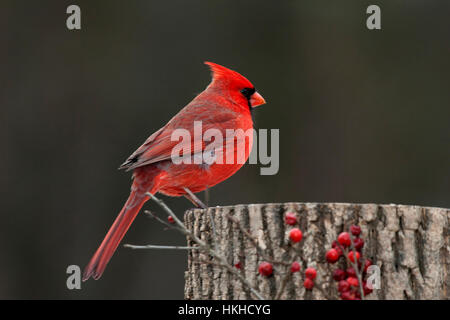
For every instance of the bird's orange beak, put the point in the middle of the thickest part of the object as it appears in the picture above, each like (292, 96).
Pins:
(257, 100)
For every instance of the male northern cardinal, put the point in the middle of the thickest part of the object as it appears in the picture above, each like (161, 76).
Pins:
(225, 104)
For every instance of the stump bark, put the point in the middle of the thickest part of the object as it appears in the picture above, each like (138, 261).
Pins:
(410, 245)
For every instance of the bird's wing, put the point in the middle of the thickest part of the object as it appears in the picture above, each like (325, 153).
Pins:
(158, 147)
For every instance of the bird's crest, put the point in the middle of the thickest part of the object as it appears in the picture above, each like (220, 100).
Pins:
(227, 76)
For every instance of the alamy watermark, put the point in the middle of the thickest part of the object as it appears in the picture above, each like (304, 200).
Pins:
(373, 21)
(229, 146)
(74, 279)
(374, 277)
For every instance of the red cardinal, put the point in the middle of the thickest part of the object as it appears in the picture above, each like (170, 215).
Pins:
(225, 104)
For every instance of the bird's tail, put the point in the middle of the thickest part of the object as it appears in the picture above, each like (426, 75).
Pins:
(142, 184)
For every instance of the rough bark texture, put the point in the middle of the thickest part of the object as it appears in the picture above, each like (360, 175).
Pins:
(410, 244)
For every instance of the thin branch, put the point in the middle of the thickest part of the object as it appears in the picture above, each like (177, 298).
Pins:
(288, 273)
(319, 286)
(151, 246)
(207, 196)
(213, 225)
(205, 247)
(283, 284)
(254, 242)
(355, 266)
(154, 216)
(234, 272)
(170, 213)
(195, 199)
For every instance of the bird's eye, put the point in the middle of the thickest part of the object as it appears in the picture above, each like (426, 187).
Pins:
(247, 92)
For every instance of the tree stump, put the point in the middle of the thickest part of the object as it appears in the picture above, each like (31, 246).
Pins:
(410, 245)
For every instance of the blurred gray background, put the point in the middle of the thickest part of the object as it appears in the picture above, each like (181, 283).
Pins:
(363, 117)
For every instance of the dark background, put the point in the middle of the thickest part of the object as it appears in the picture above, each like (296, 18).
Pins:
(363, 117)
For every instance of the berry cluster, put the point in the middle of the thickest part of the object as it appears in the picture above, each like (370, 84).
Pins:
(295, 236)
(349, 246)
(350, 278)
(310, 275)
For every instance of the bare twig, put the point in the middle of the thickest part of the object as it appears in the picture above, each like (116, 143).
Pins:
(254, 242)
(207, 196)
(152, 215)
(287, 276)
(355, 266)
(245, 232)
(213, 225)
(151, 246)
(204, 246)
(195, 200)
(284, 282)
(319, 286)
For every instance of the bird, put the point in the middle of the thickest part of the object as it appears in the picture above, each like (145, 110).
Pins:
(225, 104)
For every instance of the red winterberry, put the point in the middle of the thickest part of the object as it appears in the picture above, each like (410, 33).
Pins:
(308, 284)
(332, 255)
(335, 245)
(290, 218)
(358, 243)
(352, 259)
(295, 267)
(343, 286)
(355, 230)
(352, 281)
(295, 235)
(344, 239)
(170, 219)
(367, 264)
(265, 269)
(351, 272)
(311, 273)
(339, 274)
(366, 289)
(238, 265)
(348, 295)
